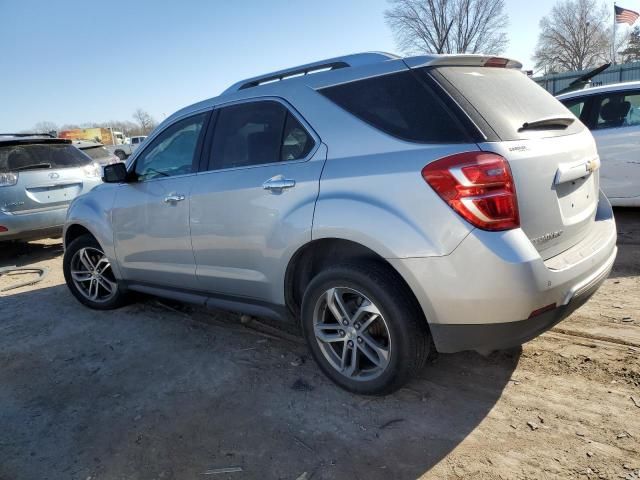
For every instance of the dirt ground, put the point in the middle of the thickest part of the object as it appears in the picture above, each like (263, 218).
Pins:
(163, 391)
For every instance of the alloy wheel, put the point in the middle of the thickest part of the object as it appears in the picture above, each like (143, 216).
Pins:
(352, 333)
(92, 275)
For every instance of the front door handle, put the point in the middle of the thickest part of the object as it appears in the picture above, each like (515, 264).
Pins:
(173, 198)
(278, 183)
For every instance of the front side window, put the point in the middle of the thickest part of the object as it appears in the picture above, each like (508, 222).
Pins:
(257, 133)
(576, 106)
(172, 152)
(617, 110)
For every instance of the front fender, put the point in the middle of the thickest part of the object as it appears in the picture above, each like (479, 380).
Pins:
(92, 211)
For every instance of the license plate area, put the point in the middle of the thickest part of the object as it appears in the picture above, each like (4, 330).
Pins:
(56, 193)
(578, 199)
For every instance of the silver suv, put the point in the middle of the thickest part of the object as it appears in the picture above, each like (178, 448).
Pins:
(388, 205)
(39, 176)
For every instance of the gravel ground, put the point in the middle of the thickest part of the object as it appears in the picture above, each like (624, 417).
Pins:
(163, 391)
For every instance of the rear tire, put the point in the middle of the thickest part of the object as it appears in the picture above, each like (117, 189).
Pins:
(121, 155)
(379, 319)
(89, 276)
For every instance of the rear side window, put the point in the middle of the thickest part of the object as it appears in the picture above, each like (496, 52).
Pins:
(506, 99)
(401, 105)
(257, 133)
(16, 158)
(617, 110)
(97, 153)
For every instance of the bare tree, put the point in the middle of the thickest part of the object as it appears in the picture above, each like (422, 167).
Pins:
(574, 36)
(45, 127)
(146, 121)
(448, 26)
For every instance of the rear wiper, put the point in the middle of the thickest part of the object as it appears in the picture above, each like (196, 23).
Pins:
(35, 166)
(547, 123)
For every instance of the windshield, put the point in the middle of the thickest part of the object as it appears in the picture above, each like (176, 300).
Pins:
(508, 100)
(97, 153)
(41, 156)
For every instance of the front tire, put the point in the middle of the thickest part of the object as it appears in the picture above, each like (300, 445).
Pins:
(364, 328)
(89, 275)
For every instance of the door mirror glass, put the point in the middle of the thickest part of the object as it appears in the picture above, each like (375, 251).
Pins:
(114, 173)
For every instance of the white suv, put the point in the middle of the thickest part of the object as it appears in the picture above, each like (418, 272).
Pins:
(612, 113)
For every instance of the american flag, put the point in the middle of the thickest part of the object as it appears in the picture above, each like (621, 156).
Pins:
(624, 15)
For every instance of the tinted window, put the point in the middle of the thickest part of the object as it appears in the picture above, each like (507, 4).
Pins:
(171, 153)
(296, 141)
(134, 140)
(576, 106)
(506, 99)
(257, 133)
(97, 153)
(400, 105)
(25, 157)
(617, 110)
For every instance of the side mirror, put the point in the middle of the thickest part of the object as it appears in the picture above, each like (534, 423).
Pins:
(114, 173)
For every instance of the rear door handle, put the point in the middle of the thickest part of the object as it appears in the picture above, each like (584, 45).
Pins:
(278, 183)
(173, 198)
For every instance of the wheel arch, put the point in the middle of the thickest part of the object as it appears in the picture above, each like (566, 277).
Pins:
(311, 258)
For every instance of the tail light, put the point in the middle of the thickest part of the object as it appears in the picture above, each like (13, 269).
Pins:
(478, 186)
(8, 179)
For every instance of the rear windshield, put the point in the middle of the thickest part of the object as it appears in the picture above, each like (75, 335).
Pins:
(43, 156)
(97, 153)
(507, 99)
(400, 105)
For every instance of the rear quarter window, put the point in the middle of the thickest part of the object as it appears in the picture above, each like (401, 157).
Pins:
(506, 99)
(400, 105)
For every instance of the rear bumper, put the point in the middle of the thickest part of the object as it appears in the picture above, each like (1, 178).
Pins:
(484, 294)
(33, 226)
(497, 336)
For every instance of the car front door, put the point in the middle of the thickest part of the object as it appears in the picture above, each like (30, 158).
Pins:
(252, 206)
(150, 216)
(615, 124)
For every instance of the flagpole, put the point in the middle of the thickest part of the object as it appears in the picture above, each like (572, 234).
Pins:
(613, 43)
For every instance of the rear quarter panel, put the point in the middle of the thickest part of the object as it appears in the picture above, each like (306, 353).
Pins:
(382, 202)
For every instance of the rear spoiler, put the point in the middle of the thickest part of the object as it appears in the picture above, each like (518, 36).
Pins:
(462, 60)
(32, 141)
(26, 135)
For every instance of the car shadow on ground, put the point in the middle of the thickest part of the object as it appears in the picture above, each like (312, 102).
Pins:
(148, 392)
(23, 254)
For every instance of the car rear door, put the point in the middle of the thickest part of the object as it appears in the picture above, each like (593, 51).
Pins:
(252, 205)
(615, 124)
(150, 216)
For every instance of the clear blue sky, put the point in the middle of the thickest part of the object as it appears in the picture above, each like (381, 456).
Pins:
(77, 61)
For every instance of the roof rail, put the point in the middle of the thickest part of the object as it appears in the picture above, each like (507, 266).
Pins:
(354, 60)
